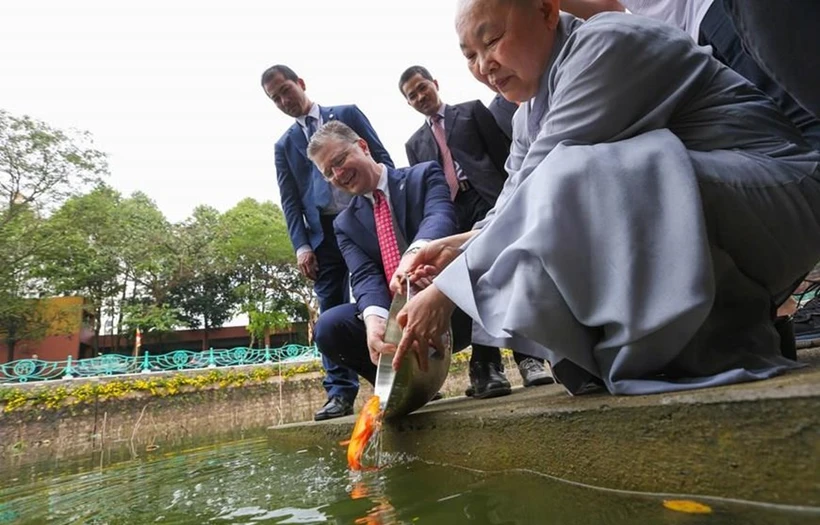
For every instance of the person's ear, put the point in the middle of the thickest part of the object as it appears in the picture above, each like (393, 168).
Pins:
(364, 146)
(548, 12)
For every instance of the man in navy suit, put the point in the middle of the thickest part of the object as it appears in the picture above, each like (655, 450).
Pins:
(466, 139)
(311, 204)
(420, 210)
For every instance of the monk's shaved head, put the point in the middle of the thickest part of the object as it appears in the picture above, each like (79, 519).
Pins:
(466, 6)
(507, 43)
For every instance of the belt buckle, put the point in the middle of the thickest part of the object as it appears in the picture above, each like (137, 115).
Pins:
(463, 185)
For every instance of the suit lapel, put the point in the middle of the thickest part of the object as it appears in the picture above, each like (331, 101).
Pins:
(327, 114)
(320, 189)
(450, 117)
(299, 140)
(363, 211)
(398, 198)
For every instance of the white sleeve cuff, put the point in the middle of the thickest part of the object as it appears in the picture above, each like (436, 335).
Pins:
(375, 310)
(303, 249)
(418, 243)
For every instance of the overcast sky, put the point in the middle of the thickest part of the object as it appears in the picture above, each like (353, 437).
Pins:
(170, 89)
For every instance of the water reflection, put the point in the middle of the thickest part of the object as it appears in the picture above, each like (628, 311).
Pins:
(371, 486)
(252, 482)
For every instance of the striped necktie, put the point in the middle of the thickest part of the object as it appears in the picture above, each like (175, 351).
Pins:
(388, 245)
(446, 157)
(310, 125)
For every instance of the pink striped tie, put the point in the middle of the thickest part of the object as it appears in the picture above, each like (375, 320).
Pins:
(446, 157)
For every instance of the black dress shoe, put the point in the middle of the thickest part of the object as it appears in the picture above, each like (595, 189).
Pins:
(487, 380)
(335, 407)
(575, 379)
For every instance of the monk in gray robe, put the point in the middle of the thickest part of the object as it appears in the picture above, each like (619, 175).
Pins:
(658, 208)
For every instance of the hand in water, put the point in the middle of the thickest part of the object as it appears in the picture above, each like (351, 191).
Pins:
(424, 319)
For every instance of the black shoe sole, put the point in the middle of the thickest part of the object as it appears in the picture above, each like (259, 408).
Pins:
(325, 417)
(539, 382)
(493, 392)
(808, 336)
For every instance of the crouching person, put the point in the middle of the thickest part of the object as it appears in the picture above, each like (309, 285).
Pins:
(394, 211)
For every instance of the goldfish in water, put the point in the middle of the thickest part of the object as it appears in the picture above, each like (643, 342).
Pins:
(367, 424)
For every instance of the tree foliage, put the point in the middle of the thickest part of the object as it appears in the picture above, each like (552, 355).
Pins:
(63, 231)
(255, 243)
(40, 167)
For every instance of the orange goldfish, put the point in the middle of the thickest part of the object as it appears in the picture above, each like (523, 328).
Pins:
(368, 422)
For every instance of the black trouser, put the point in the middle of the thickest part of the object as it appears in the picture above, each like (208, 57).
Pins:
(332, 289)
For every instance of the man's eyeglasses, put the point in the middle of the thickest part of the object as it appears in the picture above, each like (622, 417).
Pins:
(336, 163)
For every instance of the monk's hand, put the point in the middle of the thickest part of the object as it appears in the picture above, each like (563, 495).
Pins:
(424, 319)
(376, 346)
(422, 266)
(398, 283)
(308, 264)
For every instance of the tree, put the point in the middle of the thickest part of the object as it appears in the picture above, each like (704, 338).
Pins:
(40, 167)
(254, 240)
(149, 253)
(150, 319)
(295, 295)
(87, 260)
(204, 290)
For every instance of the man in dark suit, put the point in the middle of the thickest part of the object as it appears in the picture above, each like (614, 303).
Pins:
(311, 204)
(472, 149)
(503, 111)
(393, 211)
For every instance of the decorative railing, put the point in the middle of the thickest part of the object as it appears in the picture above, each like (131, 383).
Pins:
(28, 370)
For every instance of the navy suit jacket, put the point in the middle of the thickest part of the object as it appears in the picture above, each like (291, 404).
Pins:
(420, 201)
(302, 188)
(476, 143)
(503, 111)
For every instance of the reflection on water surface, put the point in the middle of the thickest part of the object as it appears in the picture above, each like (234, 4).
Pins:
(250, 482)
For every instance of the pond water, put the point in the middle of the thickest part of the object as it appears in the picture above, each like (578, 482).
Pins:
(255, 481)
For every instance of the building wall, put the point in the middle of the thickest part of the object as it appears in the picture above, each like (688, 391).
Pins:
(70, 336)
(65, 336)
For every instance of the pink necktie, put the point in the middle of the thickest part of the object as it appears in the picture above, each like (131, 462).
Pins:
(446, 157)
(387, 237)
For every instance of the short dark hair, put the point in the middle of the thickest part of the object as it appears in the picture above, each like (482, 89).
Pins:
(278, 69)
(412, 71)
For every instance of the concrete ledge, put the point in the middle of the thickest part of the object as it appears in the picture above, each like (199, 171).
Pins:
(756, 441)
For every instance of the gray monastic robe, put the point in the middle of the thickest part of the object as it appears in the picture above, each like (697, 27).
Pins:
(658, 206)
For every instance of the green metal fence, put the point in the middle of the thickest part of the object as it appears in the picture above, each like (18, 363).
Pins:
(28, 370)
